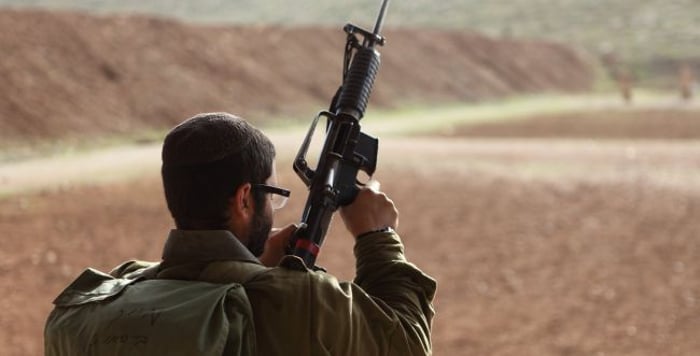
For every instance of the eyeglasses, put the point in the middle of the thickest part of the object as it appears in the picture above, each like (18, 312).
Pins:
(278, 196)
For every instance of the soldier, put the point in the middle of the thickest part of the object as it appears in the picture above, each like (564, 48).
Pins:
(686, 79)
(625, 81)
(219, 179)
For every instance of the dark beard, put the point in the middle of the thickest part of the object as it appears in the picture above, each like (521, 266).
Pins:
(260, 228)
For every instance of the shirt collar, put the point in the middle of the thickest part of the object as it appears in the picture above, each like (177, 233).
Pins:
(191, 246)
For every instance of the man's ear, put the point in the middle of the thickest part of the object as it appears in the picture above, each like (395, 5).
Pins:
(241, 204)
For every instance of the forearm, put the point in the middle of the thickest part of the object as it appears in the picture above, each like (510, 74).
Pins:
(398, 286)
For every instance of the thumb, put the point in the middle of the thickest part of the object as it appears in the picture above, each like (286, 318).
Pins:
(281, 235)
(373, 185)
(275, 246)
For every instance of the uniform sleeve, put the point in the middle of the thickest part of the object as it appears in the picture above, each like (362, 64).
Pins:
(399, 288)
(387, 312)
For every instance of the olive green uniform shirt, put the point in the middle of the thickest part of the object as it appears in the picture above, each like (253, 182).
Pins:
(387, 310)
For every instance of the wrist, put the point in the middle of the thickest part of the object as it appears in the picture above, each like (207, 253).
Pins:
(378, 247)
(384, 229)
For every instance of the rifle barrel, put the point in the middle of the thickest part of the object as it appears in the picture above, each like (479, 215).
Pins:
(380, 18)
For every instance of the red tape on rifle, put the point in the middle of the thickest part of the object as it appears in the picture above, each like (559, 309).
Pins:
(308, 246)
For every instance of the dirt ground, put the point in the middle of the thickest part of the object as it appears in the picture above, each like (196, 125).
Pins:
(621, 123)
(540, 246)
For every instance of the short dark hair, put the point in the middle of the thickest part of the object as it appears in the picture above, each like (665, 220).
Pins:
(205, 159)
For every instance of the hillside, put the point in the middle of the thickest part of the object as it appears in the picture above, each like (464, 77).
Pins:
(636, 30)
(71, 74)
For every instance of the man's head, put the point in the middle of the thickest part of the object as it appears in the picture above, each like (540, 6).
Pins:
(211, 163)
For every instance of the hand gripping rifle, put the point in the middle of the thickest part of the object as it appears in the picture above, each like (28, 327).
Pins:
(346, 149)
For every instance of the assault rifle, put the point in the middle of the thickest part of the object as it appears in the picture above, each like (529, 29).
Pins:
(346, 150)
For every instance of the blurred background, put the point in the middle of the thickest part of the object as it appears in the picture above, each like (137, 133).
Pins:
(544, 155)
